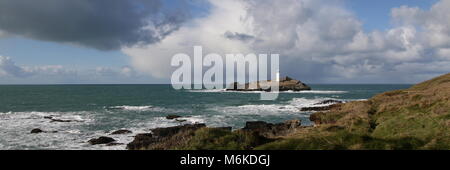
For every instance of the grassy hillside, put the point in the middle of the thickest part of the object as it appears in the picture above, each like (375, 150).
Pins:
(414, 118)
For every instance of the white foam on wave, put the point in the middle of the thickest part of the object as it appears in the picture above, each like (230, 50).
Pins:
(16, 127)
(291, 107)
(147, 108)
(134, 108)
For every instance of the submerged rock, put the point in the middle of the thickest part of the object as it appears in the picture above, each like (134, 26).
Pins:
(37, 130)
(285, 84)
(172, 116)
(122, 131)
(101, 140)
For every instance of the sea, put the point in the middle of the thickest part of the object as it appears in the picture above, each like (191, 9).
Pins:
(91, 111)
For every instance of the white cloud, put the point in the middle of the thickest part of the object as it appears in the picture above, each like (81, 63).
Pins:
(9, 68)
(317, 40)
(10, 72)
(208, 32)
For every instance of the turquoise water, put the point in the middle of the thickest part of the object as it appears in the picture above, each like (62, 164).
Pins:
(96, 110)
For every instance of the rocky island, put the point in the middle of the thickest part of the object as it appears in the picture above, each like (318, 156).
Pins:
(285, 84)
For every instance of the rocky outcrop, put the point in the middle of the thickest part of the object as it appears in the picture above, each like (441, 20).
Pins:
(178, 136)
(121, 131)
(270, 130)
(101, 140)
(285, 84)
(164, 138)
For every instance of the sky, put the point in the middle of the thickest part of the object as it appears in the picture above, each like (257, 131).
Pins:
(128, 42)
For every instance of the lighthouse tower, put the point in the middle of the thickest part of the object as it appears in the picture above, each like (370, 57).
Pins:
(277, 76)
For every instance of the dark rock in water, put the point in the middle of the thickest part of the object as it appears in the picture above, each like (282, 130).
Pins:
(122, 131)
(285, 84)
(142, 141)
(48, 117)
(164, 138)
(60, 120)
(114, 144)
(101, 140)
(329, 102)
(317, 108)
(180, 120)
(172, 116)
(270, 130)
(37, 130)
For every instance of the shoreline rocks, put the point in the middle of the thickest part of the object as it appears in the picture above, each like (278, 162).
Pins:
(164, 138)
(101, 140)
(177, 136)
(121, 131)
(170, 117)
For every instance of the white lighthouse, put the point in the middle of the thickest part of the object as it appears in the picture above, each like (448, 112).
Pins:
(277, 76)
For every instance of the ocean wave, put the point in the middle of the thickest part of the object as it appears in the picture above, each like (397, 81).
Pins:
(147, 108)
(78, 116)
(134, 108)
(291, 107)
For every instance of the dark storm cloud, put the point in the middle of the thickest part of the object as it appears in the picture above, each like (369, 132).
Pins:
(100, 24)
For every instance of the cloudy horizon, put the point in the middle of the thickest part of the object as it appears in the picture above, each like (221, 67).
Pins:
(127, 42)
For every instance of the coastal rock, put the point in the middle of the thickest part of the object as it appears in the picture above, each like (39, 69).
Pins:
(331, 104)
(37, 130)
(121, 131)
(63, 120)
(169, 131)
(318, 108)
(285, 84)
(172, 116)
(164, 138)
(114, 144)
(271, 130)
(101, 140)
(328, 102)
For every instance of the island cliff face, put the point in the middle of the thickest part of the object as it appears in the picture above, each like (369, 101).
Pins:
(285, 84)
(414, 118)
